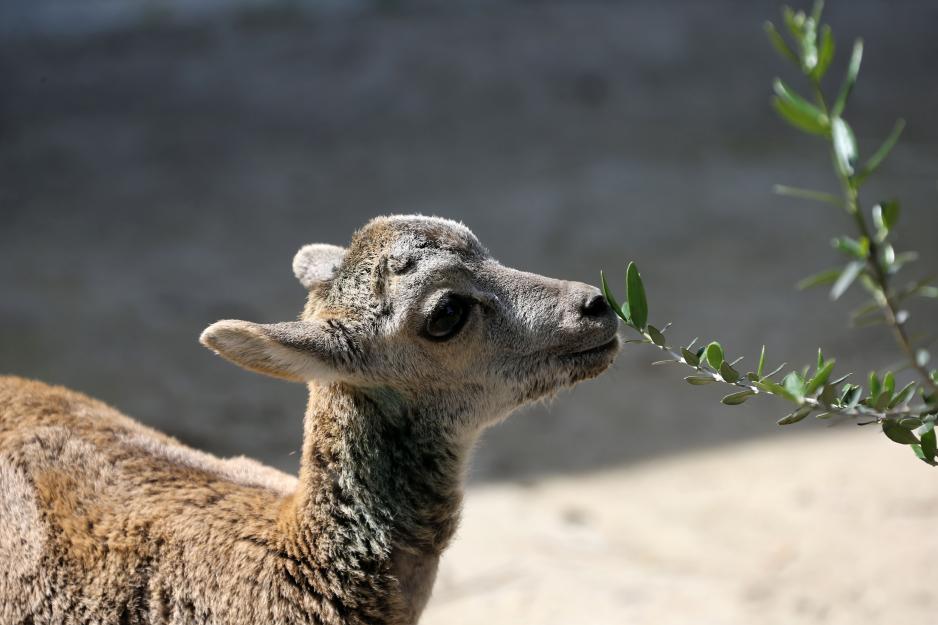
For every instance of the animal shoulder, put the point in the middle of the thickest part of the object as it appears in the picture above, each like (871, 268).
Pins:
(56, 427)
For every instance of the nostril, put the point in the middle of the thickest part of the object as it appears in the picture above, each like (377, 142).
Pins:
(595, 306)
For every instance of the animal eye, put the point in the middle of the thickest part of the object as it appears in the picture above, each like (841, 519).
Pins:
(447, 318)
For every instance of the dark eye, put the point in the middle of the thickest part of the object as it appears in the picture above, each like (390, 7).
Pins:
(447, 318)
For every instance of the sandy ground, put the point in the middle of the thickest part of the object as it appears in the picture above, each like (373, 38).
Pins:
(833, 528)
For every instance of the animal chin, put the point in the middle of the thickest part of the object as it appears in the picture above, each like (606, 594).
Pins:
(590, 362)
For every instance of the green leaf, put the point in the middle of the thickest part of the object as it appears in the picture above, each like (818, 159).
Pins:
(853, 68)
(888, 257)
(929, 447)
(796, 416)
(847, 276)
(885, 216)
(734, 399)
(825, 53)
(714, 354)
(690, 357)
(656, 336)
(819, 279)
(882, 152)
(728, 373)
(611, 299)
(638, 306)
(809, 46)
(770, 387)
(699, 380)
(875, 386)
(903, 396)
(858, 248)
(779, 43)
(921, 455)
(897, 433)
(795, 119)
(795, 385)
(889, 383)
(845, 147)
(851, 396)
(846, 390)
(819, 378)
(840, 379)
(798, 111)
(820, 358)
(794, 21)
(761, 362)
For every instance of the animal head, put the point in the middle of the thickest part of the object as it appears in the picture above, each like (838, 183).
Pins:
(416, 306)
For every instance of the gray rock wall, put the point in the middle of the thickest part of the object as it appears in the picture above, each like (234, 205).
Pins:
(158, 175)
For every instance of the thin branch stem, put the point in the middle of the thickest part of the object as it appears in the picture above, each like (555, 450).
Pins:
(808, 194)
(858, 411)
(879, 275)
(887, 303)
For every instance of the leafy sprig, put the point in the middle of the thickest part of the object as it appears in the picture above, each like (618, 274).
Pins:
(906, 414)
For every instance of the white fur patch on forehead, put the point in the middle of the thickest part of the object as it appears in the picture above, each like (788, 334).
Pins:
(317, 262)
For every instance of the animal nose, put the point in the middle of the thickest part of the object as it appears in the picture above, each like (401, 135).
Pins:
(594, 305)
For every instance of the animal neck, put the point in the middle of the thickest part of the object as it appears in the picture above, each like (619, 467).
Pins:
(379, 496)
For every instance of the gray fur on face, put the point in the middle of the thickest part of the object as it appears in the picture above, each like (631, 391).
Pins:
(525, 335)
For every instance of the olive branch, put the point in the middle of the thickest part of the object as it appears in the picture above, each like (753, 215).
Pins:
(907, 415)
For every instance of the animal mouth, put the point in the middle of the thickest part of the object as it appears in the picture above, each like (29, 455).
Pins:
(603, 348)
(590, 362)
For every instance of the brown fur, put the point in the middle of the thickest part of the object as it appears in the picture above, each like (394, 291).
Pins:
(103, 520)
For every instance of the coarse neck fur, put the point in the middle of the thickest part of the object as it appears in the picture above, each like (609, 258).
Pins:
(379, 496)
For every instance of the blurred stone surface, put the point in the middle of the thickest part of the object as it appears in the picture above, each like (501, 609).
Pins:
(158, 174)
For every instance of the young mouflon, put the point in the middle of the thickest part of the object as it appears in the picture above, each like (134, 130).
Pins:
(413, 340)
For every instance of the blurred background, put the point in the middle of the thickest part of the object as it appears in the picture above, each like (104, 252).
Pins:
(161, 161)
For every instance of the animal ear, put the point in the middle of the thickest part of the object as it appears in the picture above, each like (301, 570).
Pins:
(317, 262)
(299, 351)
